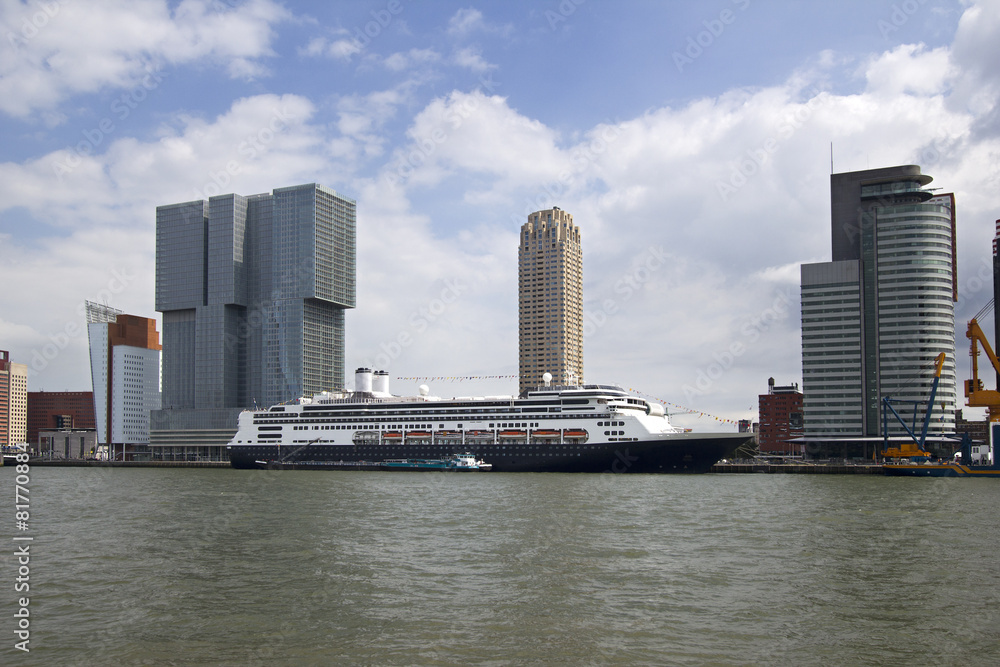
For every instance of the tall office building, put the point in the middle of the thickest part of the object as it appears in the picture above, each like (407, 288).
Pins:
(125, 369)
(13, 401)
(550, 299)
(253, 291)
(876, 317)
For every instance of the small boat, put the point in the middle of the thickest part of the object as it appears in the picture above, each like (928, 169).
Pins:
(418, 435)
(479, 435)
(513, 434)
(545, 434)
(468, 461)
(392, 435)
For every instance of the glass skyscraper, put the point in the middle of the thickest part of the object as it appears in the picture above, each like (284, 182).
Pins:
(253, 291)
(876, 317)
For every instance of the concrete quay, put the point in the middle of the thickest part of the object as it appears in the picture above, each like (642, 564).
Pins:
(800, 468)
(766, 468)
(90, 463)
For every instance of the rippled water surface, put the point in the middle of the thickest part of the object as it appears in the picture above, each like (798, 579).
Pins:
(217, 566)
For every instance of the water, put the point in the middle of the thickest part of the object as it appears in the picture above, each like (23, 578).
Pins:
(216, 566)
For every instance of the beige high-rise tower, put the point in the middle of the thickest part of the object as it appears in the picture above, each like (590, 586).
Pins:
(550, 299)
(13, 401)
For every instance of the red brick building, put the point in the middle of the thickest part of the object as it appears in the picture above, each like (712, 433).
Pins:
(58, 410)
(780, 419)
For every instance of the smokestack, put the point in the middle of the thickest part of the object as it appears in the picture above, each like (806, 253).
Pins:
(363, 380)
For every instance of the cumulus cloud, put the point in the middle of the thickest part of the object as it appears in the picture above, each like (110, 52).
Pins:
(695, 215)
(62, 48)
(911, 69)
(412, 58)
(467, 21)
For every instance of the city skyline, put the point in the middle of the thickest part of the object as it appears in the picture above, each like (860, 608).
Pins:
(699, 161)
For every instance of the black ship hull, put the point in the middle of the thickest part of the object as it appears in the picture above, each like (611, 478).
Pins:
(679, 453)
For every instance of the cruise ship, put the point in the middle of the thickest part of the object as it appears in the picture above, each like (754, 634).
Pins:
(588, 428)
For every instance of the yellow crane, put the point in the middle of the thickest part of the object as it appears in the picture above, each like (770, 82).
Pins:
(975, 395)
(910, 450)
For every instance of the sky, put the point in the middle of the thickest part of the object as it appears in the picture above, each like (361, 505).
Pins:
(691, 141)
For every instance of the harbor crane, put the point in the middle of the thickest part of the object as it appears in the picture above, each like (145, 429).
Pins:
(915, 449)
(975, 394)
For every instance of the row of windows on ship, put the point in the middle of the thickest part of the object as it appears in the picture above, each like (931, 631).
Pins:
(351, 419)
(390, 427)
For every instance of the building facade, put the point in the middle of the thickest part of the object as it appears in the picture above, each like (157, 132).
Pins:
(550, 299)
(67, 444)
(876, 317)
(253, 291)
(125, 370)
(781, 419)
(58, 410)
(13, 401)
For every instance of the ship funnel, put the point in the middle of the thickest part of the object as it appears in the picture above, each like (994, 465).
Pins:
(363, 380)
(381, 382)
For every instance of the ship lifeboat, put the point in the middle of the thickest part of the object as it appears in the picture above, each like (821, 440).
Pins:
(418, 435)
(448, 435)
(575, 434)
(479, 435)
(392, 435)
(365, 437)
(513, 434)
(545, 434)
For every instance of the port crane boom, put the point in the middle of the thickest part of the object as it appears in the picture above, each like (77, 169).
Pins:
(915, 448)
(975, 394)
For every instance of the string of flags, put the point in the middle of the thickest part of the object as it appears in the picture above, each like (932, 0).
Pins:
(460, 378)
(687, 410)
